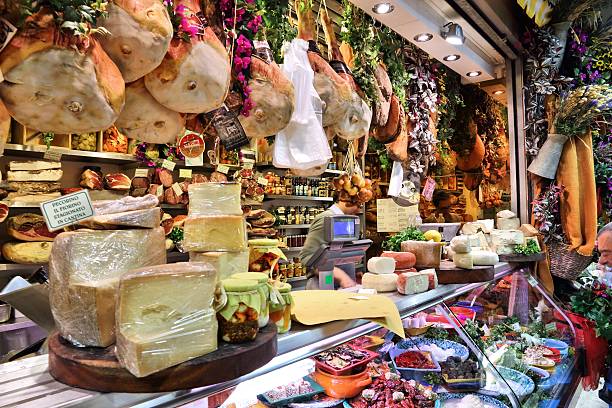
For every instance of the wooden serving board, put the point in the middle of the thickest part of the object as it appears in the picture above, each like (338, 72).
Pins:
(523, 258)
(449, 273)
(97, 369)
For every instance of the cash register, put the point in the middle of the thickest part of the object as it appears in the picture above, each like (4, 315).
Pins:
(343, 249)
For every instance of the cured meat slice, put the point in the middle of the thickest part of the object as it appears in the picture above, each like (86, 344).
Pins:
(29, 227)
(91, 179)
(56, 82)
(274, 99)
(141, 31)
(145, 119)
(4, 212)
(117, 181)
(164, 177)
(194, 76)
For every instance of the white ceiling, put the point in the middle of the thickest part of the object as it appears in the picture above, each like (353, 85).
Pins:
(412, 17)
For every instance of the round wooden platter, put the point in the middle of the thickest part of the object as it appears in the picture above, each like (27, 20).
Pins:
(97, 369)
(523, 258)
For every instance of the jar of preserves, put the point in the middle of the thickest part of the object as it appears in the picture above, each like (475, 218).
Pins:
(280, 307)
(290, 270)
(264, 291)
(238, 319)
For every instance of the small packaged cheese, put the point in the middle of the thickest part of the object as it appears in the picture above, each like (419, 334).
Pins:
(226, 263)
(165, 316)
(214, 199)
(381, 265)
(382, 283)
(206, 233)
(84, 271)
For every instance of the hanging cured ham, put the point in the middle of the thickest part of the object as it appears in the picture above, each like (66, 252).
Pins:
(140, 34)
(384, 91)
(274, 99)
(145, 119)
(57, 82)
(194, 76)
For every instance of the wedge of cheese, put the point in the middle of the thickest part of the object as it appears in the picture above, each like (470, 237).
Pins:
(148, 218)
(84, 271)
(504, 241)
(206, 233)
(382, 283)
(381, 265)
(214, 199)
(34, 175)
(225, 263)
(158, 328)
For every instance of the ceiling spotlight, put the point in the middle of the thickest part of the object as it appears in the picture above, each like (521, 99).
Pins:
(473, 74)
(498, 92)
(383, 8)
(452, 57)
(453, 33)
(423, 37)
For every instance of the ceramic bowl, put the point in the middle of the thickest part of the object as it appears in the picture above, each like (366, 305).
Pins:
(342, 386)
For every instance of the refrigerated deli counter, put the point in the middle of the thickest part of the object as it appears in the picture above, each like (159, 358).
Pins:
(490, 325)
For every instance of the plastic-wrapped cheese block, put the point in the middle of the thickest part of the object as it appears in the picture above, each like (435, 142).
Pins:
(206, 233)
(409, 283)
(461, 244)
(225, 263)
(403, 260)
(382, 283)
(84, 271)
(148, 218)
(158, 328)
(214, 199)
(380, 265)
(428, 254)
(124, 204)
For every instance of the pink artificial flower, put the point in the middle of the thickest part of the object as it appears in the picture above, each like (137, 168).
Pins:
(180, 9)
(249, 1)
(240, 77)
(193, 31)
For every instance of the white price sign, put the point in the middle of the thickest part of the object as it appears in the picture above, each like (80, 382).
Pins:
(167, 164)
(141, 173)
(222, 168)
(67, 210)
(391, 217)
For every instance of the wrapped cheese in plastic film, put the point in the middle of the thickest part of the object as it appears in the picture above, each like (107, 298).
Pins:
(214, 199)
(103, 207)
(84, 271)
(205, 233)
(226, 263)
(165, 316)
(147, 218)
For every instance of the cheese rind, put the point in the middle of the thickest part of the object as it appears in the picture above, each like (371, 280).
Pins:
(215, 233)
(84, 270)
(485, 258)
(381, 265)
(34, 165)
(382, 283)
(214, 199)
(158, 328)
(428, 254)
(226, 263)
(148, 218)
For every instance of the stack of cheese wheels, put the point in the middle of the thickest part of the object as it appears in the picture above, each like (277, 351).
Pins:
(215, 230)
(380, 275)
(466, 257)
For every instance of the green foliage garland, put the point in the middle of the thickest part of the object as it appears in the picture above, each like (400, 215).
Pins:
(277, 25)
(76, 16)
(391, 46)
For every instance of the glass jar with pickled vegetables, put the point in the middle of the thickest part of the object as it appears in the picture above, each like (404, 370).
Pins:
(238, 319)
(264, 290)
(280, 307)
(85, 141)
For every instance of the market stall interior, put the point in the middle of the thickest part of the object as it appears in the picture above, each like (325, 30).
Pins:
(166, 165)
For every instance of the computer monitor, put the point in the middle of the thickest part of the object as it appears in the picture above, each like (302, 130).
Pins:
(341, 228)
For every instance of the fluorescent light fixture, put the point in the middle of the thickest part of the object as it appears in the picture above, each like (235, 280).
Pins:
(498, 92)
(452, 57)
(383, 8)
(473, 74)
(423, 37)
(453, 33)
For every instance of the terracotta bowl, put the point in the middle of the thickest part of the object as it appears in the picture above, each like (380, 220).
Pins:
(342, 386)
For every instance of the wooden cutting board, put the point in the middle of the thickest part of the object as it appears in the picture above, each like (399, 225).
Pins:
(449, 273)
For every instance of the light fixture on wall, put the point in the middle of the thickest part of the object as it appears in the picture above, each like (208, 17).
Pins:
(423, 37)
(473, 74)
(453, 33)
(452, 57)
(383, 8)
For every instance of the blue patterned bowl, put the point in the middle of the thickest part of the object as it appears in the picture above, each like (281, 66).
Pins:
(459, 349)
(445, 396)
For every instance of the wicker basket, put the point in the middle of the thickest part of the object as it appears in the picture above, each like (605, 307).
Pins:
(565, 263)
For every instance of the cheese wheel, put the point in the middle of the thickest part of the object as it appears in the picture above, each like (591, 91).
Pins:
(465, 261)
(428, 254)
(508, 223)
(484, 258)
(382, 283)
(461, 244)
(412, 283)
(403, 260)
(381, 265)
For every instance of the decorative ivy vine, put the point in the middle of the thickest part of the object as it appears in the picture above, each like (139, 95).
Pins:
(277, 25)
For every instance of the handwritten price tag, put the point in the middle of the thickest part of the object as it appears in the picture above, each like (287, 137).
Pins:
(429, 188)
(263, 181)
(185, 173)
(160, 190)
(167, 164)
(248, 165)
(177, 189)
(222, 168)
(141, 173)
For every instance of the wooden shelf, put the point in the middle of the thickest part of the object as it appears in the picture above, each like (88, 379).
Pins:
(293, 226)
(299, 198)
(12, 149)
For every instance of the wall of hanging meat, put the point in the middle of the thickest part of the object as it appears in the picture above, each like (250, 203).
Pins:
(94, 97)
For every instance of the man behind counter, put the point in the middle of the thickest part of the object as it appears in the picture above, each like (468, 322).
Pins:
(316, 237)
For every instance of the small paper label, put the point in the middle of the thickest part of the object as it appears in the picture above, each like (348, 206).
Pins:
(486, 330)
(167, 164)
(52, 155)
(67, 210)
(141, 173)
(428, 190)
(263, 181)
(248, 165)
(229, 129)
(222, 168)
(160, 190)
(185, 173)
(177, 189)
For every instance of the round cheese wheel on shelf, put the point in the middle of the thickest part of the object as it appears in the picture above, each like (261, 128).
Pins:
(381, 265)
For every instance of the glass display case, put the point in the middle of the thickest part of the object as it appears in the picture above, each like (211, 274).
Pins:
(487, 331)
